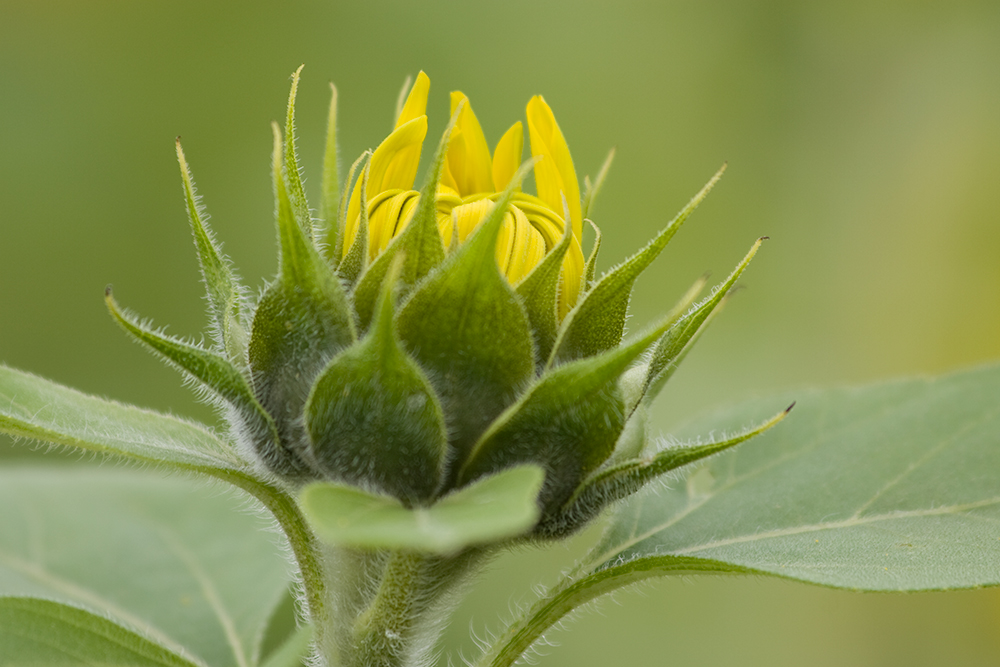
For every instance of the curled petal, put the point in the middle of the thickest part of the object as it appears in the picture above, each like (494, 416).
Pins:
(467, 217)
(526, 248)
(388, 214)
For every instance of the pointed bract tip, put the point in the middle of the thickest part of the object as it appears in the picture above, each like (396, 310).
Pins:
(789, 408)
(764, 238)
(298, 71)
(107, 291)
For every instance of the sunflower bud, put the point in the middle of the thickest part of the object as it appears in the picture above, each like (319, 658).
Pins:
(429, 339)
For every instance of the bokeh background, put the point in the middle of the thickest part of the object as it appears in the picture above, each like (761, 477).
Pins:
(862, 137)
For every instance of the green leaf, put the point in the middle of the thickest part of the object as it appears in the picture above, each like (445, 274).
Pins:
(373, 418)
(539, 291)
(493, 509)
(467, 327)
(598, 321)
(293, 177)
(180, 563)
(331, 195)
(568, 422)
(41, 633)
(675, 344)
(225, 294)
(890, 487)
(39, 409)
(420, 242)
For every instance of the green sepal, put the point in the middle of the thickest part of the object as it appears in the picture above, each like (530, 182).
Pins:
(466, 326)
(373, 418)
(296, 193)
(590, 269)
(356, 259)
(598, 321)
(494, 509)
(615, 482)
(330, 203)
(334, 250)
(594, 188)
(679, 339)
(539, 292)
(211, 371)
(303, 319)
(420, 242)
(226, 300)
(568, 422)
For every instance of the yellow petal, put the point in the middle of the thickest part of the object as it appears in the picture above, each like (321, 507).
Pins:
(507, 156)
(554, 174)
(416, 101)
(469, 165)
(393, 166)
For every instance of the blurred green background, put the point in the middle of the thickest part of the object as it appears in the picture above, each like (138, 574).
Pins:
(863, 137)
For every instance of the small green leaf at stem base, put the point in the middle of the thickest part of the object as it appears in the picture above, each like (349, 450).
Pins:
(496, 508)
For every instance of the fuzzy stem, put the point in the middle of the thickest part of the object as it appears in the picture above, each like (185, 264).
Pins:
(300, 538)
(383, 631)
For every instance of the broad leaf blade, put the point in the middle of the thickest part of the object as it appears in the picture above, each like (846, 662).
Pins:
(890, 487)
(32, 407)
(42, 633)
(492, 509)
(179, 562)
